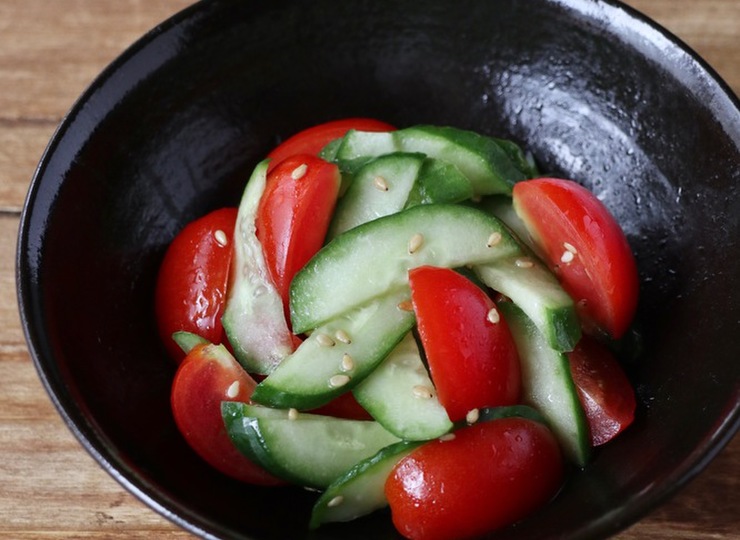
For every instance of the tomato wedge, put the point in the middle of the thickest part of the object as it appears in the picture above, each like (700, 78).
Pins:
(294, 214)
(191, 286)
(313, 139)
(473, 360)
(488, 476)
(207, 376)
(585, 247)
(604, 390)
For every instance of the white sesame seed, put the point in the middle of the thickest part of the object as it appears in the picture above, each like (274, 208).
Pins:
(380, 183)
(299, 172)
(406, 305)
(524, 262)
(570, 247)
(324, 340)
(343, 337)
(422, 392)
(472, 416)
(415, 242)
(338, 380)
(233, 390)
(348, 363)
(447, 437)
(493, 316)
(336, 501)
(221, 238)
(567, 257)
(494, 239)
(292, 414)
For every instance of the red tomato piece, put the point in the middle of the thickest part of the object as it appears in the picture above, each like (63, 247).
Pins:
(473, 360)
(191, 286)
(604, 390)
(585, 247)
(294, 214)
(488, 476)
(313, 139)
(207, 376)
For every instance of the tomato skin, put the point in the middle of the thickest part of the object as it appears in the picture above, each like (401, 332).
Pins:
(488, 476)
(294, 214)
(604, 390)
(473, 362)
(313, 139)
(193, 278)
(602, 274)
(203, 380)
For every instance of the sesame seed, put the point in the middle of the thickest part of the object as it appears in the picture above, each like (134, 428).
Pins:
(524, 262)
(493, 316)
(406, 305)
(447, 437)
(338, 380)
(415, 242)
(422, 392)
(336, 501)
(221, 238)
(567, 257)
(324, 340)
(472, 416)
(348, 363)
(380, 183)
(494, 239)
(292, 414)
(299, 172)
(570, 247)
(233, 390)
(343, 337)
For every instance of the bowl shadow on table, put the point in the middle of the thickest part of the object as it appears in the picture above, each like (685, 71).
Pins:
(174, 128)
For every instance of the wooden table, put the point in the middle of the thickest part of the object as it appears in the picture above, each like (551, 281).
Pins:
(49, 486)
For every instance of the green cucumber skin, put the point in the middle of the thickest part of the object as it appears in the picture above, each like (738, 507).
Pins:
(547, 385)
(439, 182)
(254, 319)
(311, 451)
(388, 395)
(489, 167)
(302, 379)
(365, 262)
(361, 490)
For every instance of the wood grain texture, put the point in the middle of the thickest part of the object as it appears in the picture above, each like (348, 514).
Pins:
(49, 486)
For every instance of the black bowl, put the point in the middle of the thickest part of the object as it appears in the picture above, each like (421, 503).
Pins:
(172, 129)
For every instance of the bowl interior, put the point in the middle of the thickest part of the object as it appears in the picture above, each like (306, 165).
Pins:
(174, 127)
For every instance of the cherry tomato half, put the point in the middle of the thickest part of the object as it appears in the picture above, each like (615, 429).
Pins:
(313, 139)
(294, 214)
(207, 376)
(585, 247)
(472, 357)
(604, 390)
(191, 286)
(488, 476)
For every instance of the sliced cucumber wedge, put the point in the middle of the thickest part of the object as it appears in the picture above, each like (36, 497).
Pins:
(400, 395)
(547, 385)
(371, 259)
(254, 319)
(338, 355)
(361, 490)
(311, 451)
(490, 167)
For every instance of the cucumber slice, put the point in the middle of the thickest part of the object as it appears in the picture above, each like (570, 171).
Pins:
(373, 258)
(400, 395)
(548, 386)
(311, 451)
(489, 167)
(325, 365)
(254, 319)
(439, 182)
(361, 490)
